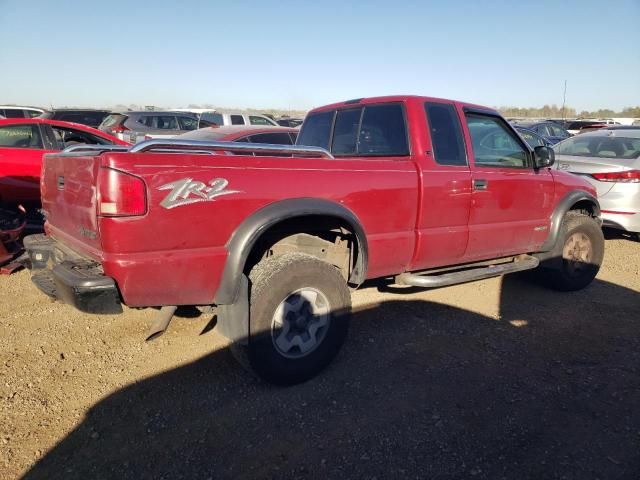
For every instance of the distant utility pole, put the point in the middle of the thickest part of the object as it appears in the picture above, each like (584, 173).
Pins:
(564, 99)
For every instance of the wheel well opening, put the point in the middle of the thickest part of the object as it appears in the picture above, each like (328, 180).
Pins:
(328, 238)
(585, 206)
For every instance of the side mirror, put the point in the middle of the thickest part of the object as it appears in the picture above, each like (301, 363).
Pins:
(543, 156)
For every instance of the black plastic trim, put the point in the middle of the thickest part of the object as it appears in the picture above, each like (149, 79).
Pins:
(246, 235)
(569, 200)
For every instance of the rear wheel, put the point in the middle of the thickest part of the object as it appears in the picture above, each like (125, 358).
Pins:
(299, 316)
(578, 255)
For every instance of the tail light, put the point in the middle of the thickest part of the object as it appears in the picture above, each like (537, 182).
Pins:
(119, 128)
(120, 194)
(629, 176)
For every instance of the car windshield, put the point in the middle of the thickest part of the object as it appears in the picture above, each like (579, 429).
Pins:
(600, 147)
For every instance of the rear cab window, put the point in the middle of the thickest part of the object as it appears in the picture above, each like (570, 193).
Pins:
(446, 134)
(369, 130)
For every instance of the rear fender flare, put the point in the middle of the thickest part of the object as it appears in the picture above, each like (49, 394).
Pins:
(245, 236)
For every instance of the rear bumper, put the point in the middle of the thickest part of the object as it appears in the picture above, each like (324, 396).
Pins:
(63, 274)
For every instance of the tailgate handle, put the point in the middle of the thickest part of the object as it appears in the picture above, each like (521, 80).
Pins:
(60, 182)
(479, 184)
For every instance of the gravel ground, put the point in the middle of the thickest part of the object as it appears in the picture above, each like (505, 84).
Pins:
(494, 379)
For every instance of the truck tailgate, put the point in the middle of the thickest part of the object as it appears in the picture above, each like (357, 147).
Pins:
(68, 187)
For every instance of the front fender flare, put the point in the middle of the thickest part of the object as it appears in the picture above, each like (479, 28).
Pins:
(565, 204)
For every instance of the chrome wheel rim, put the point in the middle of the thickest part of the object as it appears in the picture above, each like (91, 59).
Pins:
(577, 253)
(300, 322)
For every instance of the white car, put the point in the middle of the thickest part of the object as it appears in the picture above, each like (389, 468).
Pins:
(17, 111)
(210, 117)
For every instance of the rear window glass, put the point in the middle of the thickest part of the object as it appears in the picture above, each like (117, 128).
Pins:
(112, 120)
(446, 134)
(600, 147)
(20, 136)
(92, 119)
(207, 119)
(14, 113)
(383, 131)
(278, 138)
(345, 132)
(316, 130)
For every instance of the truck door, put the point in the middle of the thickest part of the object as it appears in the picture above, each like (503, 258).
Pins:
(442, 225)
(511, 201)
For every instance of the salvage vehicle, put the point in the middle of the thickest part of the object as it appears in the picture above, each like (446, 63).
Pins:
(609, 159)
(413, 190)
(22, 144)
(135, 127)
(85, 116)
(240, 133)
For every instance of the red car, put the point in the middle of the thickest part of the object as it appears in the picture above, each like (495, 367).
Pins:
(244, 133)
(23, 141)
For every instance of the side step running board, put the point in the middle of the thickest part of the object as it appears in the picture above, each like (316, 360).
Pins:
(525, 262)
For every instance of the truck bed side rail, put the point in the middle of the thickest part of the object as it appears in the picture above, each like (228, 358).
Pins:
(199, 147)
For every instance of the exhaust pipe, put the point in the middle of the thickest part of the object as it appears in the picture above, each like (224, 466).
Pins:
(161, 323)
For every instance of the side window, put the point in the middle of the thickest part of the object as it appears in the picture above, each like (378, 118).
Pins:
(166, 122)
(31, 113)
(446, 134)
(188, 123)
(253, 120)
(494, 145)
(558, 132)
(345, 132)
(146, 120)
(13, 113)
(316, 130)
(278, 138)
(20, 136)
(209, 118)
(383, 131)
(237, 120)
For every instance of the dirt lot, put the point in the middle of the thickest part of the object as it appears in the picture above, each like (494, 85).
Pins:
(493, 379)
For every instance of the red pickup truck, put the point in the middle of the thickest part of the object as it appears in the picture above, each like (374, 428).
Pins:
(420, 191)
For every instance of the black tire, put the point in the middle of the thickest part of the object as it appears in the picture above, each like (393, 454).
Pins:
(577, 256)
(293, 277)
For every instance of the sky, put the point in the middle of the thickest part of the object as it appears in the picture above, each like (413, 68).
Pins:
(297, 55)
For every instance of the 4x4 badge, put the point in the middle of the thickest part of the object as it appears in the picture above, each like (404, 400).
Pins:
(186, 191)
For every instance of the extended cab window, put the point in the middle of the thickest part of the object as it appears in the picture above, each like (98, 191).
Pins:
(446, 134)
(278, 138)
(237, 120)
(20, 136)
(494, 145)
(383, 131)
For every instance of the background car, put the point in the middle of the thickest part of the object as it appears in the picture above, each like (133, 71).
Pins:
(551, 131)
(575, 127)
(209, 117)
(610, 160)
(251, 134)
(532, 138)
(22, 144)
(138, 126)
(86, 116)
(290, 122)
(16, 111)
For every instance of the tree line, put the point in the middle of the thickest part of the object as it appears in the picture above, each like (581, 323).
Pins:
(553, 111)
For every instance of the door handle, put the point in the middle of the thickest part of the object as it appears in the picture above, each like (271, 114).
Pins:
(480, 184)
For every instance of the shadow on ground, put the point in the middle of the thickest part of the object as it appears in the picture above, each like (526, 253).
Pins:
(421, 390)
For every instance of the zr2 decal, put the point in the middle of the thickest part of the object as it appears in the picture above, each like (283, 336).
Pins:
(187, 191)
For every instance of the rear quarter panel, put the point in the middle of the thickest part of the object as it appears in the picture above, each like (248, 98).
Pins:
(176, 255)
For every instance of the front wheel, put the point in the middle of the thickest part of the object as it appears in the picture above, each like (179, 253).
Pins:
(578, 255)
(299, 316)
